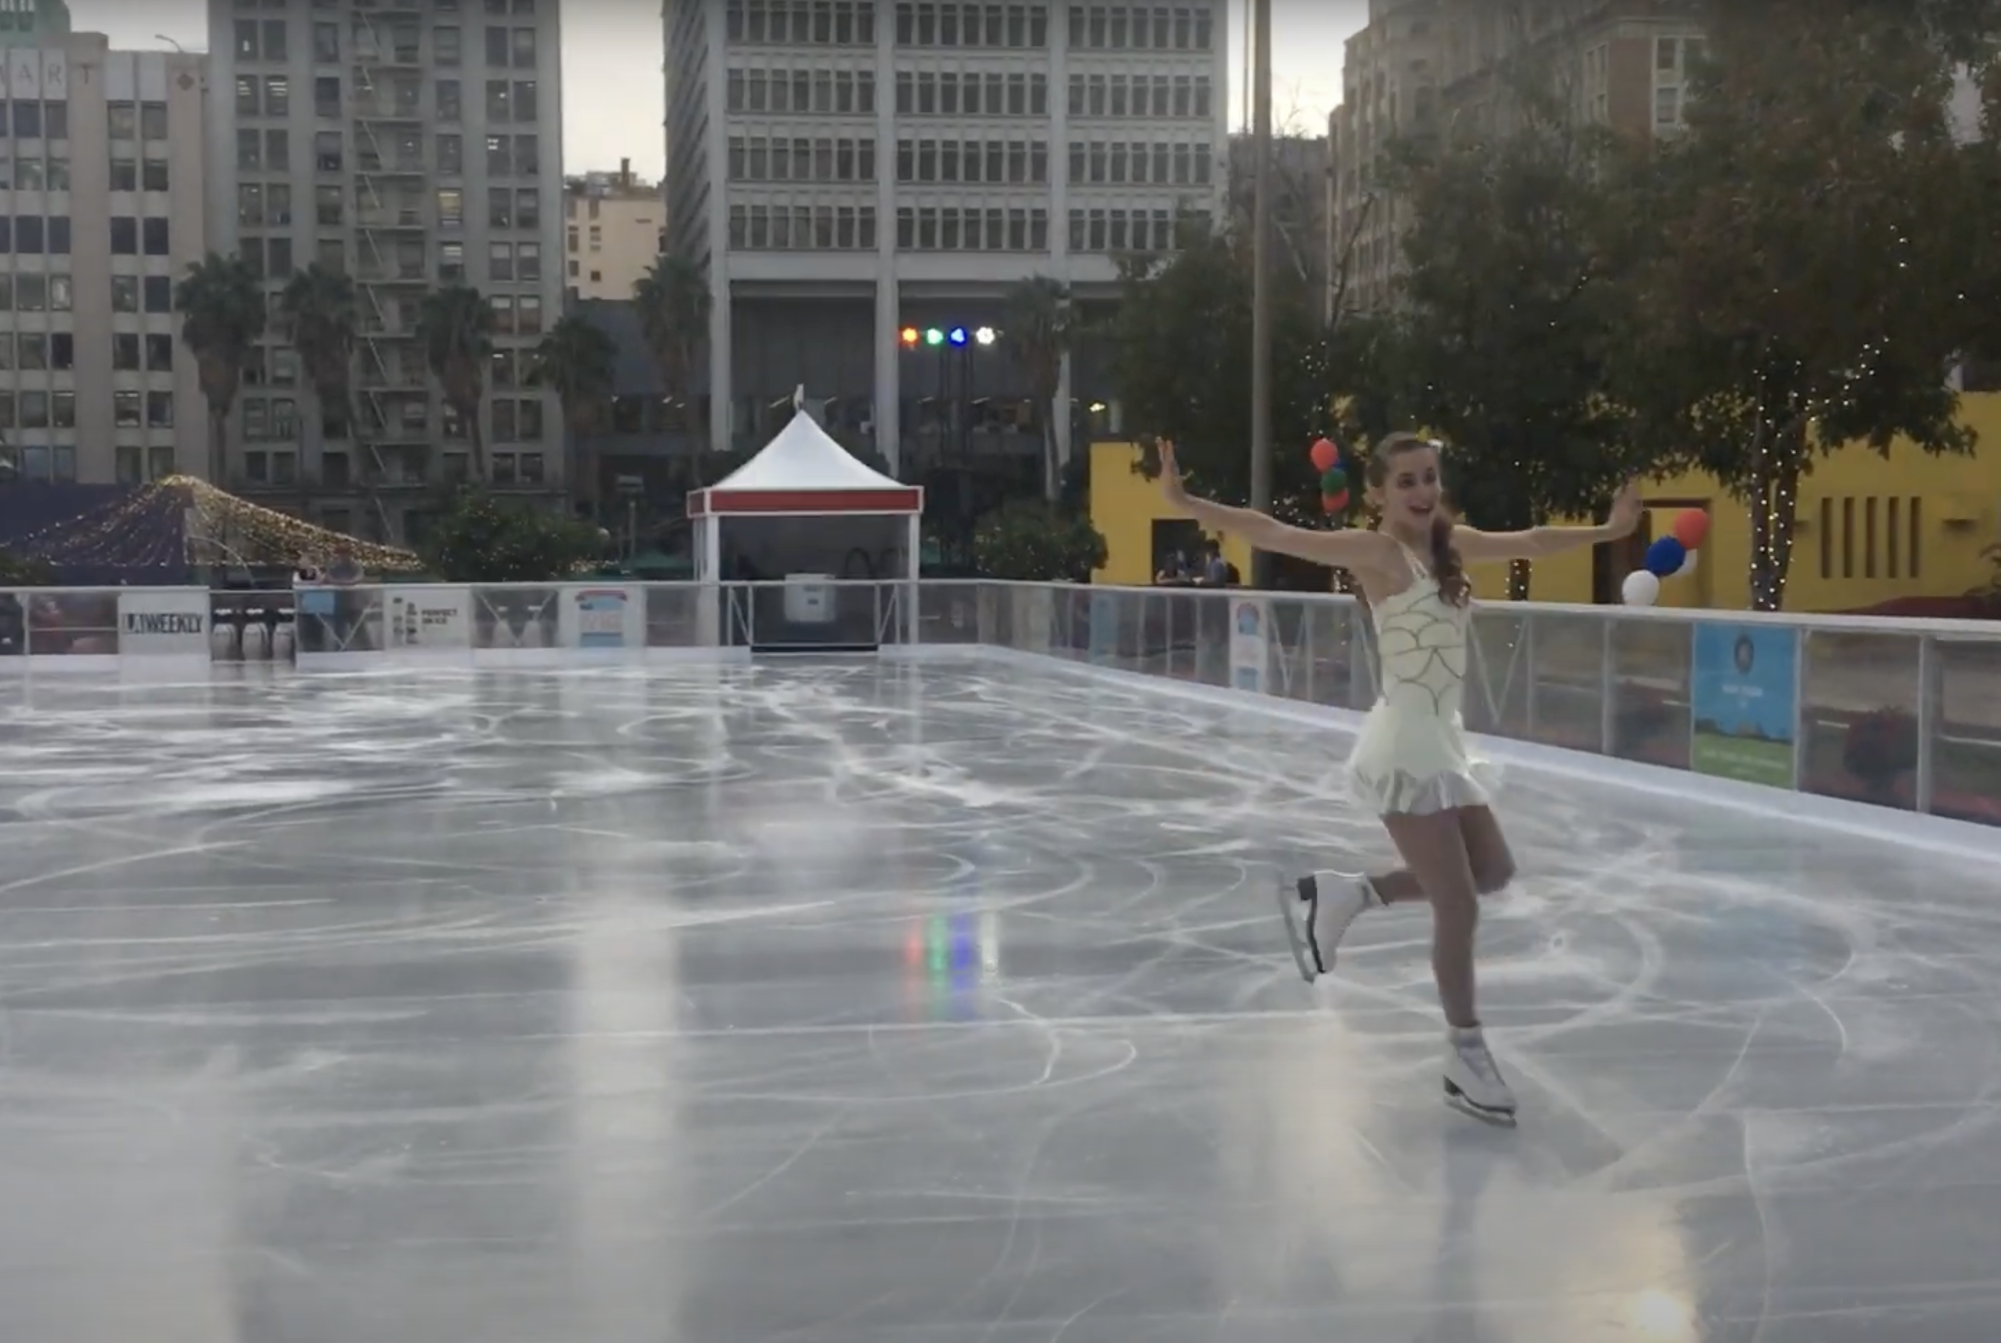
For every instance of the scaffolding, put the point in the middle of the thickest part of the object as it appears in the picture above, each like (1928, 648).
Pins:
(392, 244)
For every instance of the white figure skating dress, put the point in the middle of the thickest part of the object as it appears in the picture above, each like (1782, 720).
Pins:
(1412, 758)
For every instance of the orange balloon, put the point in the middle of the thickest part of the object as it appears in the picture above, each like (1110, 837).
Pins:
(1325, 455)
(1691, 528)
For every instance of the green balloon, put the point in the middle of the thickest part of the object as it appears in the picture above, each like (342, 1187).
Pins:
(1335, 481)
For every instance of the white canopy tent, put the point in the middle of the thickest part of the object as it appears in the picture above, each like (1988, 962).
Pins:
(804, 474)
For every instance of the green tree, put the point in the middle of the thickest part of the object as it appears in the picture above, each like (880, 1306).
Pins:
(674, 304)
(320, 311)
(1032, 540)
(221, 302)
(1500, 346)
(24, 572)
(577, 359)
(455, 324)
(481, 539)
(1798, 255)
(1181, 362)
(1036, 329)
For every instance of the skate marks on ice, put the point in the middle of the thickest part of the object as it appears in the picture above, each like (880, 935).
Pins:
(848, 1001)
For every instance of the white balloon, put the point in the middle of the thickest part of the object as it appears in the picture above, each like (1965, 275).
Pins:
(1687, 566)
(1640, 588)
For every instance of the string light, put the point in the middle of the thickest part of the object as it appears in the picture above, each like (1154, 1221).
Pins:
(180, 520)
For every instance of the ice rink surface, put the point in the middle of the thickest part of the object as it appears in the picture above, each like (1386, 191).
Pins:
(866, 1003)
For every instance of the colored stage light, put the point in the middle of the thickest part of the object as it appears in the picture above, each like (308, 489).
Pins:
(986, 335)
(957, 335)
(910, 335)
(934, 337)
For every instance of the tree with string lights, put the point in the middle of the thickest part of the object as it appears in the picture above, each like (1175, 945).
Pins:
(1800, 255)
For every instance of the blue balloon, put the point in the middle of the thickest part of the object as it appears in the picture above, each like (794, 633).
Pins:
(1665, 557)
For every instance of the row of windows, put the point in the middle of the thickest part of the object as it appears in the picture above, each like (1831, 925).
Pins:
(824, 228)
(401, 97)
(493, 7)
(955, 24)
(823, 91)
(801, 22)
(758, 159)
(1182, 164)
(398, 42)
(39, 120)
(971, 92)
(949, 229)
(276, 420)
(270, 204)
(57, 410)
(32, 235)
(993, 161)
(271, 151)
(1142, 28)
(39, 292)
(36, 173)
(1141, 96)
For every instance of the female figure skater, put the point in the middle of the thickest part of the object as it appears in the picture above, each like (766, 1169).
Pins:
(1411, 763)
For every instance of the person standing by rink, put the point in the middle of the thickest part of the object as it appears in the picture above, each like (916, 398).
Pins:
(1411, 764)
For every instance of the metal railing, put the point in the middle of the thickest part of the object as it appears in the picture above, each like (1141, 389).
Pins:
(1903, 714)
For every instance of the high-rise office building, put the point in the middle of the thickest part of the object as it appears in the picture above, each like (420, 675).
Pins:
(104, 171)
(847, 170)
(415, 144)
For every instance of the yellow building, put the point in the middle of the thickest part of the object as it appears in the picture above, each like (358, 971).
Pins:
(1870, 530)
(611, 232)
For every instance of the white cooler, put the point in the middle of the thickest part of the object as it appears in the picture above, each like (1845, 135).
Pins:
(809, 599)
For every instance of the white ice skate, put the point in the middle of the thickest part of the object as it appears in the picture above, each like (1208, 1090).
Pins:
(1318, 908)
(1473, 1082)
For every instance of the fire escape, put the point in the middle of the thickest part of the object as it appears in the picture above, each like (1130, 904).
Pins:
(392, 261)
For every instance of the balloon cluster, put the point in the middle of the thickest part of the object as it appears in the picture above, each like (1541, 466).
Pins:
(1670, 556)
(1333, 476)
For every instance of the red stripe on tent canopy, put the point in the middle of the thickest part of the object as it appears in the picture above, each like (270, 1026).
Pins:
(719, 502)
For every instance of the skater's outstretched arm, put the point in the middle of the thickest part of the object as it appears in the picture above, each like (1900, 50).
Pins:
(1478, 547)
(1343, 549)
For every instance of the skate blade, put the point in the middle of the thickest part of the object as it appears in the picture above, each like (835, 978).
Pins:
(1302, 954)
(1496, 1118)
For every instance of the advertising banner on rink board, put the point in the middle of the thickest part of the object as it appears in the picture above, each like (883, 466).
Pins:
(164, 622)
(1250, 643)
(1744, 694)
(421, 619)
(603, 618)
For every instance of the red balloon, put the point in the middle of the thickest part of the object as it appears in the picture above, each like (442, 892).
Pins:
(1325, 455)
(1334, 503)
(1691, 528)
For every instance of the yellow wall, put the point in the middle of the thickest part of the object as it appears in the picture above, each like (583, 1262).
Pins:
(1956, 499)
(1124, 507)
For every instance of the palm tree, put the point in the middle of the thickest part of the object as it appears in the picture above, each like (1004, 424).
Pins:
(577, 359)
(319, 310)
(1036, 327)
(674, 303)
(456, 325)
(221, 302)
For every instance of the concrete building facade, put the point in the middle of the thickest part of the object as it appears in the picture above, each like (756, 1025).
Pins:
(106, 201)
(613, 229)
(851, 169)
(416, 144)
(1446, 67)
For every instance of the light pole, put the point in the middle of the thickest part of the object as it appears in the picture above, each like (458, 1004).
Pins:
(1261, 278)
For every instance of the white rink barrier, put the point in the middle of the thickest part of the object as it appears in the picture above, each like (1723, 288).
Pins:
(1901, 714)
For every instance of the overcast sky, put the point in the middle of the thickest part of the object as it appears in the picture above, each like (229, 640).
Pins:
(614, 100)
